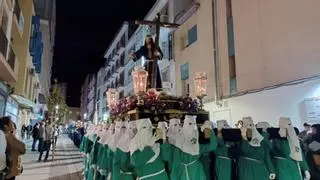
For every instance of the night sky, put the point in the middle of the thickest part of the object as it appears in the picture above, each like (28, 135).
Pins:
(83, 33)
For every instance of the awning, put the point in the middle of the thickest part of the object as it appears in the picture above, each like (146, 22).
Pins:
(42, 99)
(24, 102)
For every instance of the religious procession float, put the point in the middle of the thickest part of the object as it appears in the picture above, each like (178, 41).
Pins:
(154, 135)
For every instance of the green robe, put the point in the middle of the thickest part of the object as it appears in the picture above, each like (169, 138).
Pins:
(104, 163)
(139, 160)
(286, 168)
(122, 167)
(92, 159)
(254, 162)
(224, 161)
(185, 166)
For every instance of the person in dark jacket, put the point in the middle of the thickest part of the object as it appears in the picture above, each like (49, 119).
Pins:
(29, 131)
(149, 52)
(35, 136)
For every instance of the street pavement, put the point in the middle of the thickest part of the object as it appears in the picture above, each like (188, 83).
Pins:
(67, 164)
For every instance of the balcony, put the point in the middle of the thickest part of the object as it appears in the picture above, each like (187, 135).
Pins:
(9, 65)
(120, 47)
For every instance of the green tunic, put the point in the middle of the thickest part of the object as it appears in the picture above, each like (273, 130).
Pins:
(92, 159)
(206, 162)
(224, 161)
(104, 164)
(82, 144)
(185, 166)
(254, 162)
(286, 168)
(148, 171)
(122, 168)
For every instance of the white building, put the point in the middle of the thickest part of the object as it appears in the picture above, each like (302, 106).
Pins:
(112, 75)
(262, 49)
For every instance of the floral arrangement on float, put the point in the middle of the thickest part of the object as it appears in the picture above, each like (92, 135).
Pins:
(153, 101)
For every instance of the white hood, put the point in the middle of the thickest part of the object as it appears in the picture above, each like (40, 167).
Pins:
(256, 136)
(120, 129)
(108, 135)
(188, 141)
(144, 138)
(295, 149)
(174, 130)
(124, 142)
(164, 128)
(222, 124)
(263, 125)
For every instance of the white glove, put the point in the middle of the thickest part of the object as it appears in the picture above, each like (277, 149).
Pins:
(272, 176)
(307, 175)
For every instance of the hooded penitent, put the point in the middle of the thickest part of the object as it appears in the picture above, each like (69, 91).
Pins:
(164, 128)
(287, 130)
(174, 130)
(120, 128)
(107, 137)
(104, 133)
(188, 140)
(263, 125)
(144, 137)
(256, 137)
(124, 142)
(222, 124)
(90, 130)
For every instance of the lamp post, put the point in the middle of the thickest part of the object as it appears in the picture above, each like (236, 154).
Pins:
(140, 76)
(85, 116)
(56, 112)
(200, 81)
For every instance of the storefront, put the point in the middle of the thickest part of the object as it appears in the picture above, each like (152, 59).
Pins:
(3, 98)
(12, 109)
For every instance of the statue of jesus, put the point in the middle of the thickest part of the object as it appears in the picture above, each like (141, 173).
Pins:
(150, 53)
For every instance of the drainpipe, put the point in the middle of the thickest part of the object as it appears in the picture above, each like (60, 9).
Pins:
(216, 54)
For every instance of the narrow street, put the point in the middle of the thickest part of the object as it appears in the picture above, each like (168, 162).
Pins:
(66, 166)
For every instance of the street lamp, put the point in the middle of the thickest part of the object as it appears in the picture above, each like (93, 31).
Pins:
(140, 76)
(85, 116)
(200, 81)
(57, 107)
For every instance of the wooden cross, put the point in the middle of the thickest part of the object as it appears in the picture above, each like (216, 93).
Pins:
(158, 24)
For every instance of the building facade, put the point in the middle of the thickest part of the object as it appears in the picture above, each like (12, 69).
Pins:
(256, 64)
(112, 75)
(84, 99)
(88, 98)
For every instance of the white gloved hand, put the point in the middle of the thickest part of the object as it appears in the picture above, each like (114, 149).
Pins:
(272, 176)
(307, 175)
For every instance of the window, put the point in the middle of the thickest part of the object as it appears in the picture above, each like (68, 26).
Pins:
(233, 75)
(192, 35)
(230, 36)
(184, 69)
(185, 87)
(4, 22)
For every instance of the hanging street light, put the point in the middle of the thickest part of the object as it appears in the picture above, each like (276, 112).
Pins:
(111, 98)
(140, 76)
(200, 81)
